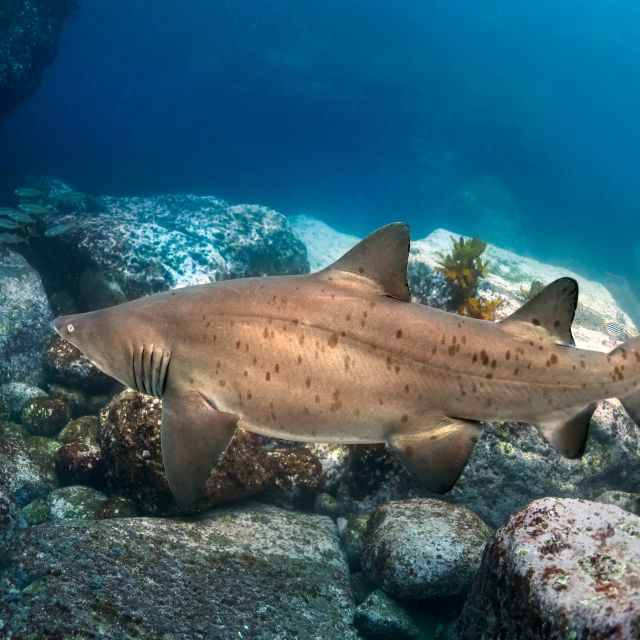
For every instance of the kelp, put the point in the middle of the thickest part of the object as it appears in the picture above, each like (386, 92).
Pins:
(462, 268)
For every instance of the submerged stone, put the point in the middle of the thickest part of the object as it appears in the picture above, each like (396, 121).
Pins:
(75, 398)
(267, 572)
(14, 395)
(379, 617)
(36, 512)
(44, 416)
(83, 429)
(117, 507)
(560, 568)
(76, 502)
(423, 548)
(80, 463)
(10, 517)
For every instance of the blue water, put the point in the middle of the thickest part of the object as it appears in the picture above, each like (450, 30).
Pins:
(357, 112)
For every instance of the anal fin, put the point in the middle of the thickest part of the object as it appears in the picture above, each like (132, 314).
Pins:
(569, 435)
(194, 436)
(436, 450)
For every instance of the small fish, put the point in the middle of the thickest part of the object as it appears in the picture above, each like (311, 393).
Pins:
(8, 224)
(20, 216)
(614, 329)
(28, 192)
(58, 230)
(6, 210)
(33, 209)
(11, 238)
(73, 196)
(7, 271)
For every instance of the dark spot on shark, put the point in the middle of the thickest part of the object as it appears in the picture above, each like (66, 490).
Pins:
(489, 376)
(267, 376)
(535, 322)
(452, 350)
(360, 269)
(399, 333)
(582, 364)
(299, 359)
(474, 358)
(348, 317)
(434, 350)
(553, 359)
(277, 368)
(222, 383)
(406, 388)
(301, 339)
(317, 398)
(556, 323)
(245, 373)
(485, 357)
(265, 333)
(507, 355)
(389, 363)
(238, 344)
(397, 368)
(516, 371)
(380, 401)
(494, 364)
(404, 418)
(333, 340)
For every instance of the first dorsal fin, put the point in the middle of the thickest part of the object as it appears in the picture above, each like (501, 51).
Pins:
(552, 309)
(382, 258)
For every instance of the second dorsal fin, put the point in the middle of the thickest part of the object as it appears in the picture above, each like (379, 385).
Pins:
(552, 309)
(382, 258)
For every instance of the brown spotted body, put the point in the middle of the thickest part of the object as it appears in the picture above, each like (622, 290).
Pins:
(344, 356)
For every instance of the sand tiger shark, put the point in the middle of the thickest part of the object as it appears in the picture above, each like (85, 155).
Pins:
(344, 356)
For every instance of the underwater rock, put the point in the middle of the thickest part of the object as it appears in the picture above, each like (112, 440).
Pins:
(14, 395)
(76, 502)
(29, 34)
(75, 399)
(149, 244)
(298, 477)
(25, 471)
(69, 366)
(84, 429)
(45, 416)
(80, 463)
(326, 505)
(117, 507)
(379, 617)
(130, 441)
(44, 448)
(10, 518)
(423, 548)
(36, 512)
(561, 568)
(24, 318)
(628, 501)
(352, 538)
(267, 572)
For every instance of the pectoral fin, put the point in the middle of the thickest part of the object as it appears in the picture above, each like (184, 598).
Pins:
(437, 449)
(194, 436)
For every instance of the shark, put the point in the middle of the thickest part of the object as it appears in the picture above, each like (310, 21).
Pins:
(343, 355)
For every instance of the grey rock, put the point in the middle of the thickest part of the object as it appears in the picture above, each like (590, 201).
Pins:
(83, 429)
(353, 539)
(561, 568)
(628, 501)
(423, 548)
(24, 318)
(45, 416)
(117, 507)
(24, 470)
(143, 245)
(380, 617)
(36, 512)
(16, 394)
(29, 35)
(76, 399)
(256, 569)
(76, 502)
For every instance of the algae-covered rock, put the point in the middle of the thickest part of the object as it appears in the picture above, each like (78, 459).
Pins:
(561, 568)
(25, 470)
(75, 398)
(80, 463)
(379, 617)
(14, 395)
(74, 503)
(141, 245)
(353, 538)
(423, 548)
(117, 507)
(130, 441)
(36, 512)
(83, 429)
(326, 505)
(45, 448)
(628, 501)
(266, 572)
(67, 365)
(44, 416)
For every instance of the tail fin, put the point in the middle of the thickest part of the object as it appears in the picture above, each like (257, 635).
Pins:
(630, 351)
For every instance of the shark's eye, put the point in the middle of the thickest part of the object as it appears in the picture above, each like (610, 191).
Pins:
(70, 328)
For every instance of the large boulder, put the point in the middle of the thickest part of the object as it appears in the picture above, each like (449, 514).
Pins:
(29, 35)
(560, 568)
(423, 548)
(512, 464)
(24, 319)
(252, 571)
(128, 247)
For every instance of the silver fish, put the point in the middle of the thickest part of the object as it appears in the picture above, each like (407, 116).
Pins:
(344, 356)
(11, 238)
(8, 224)
(20, 216)
(28, 192)
(33, 209)
(58, 230)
